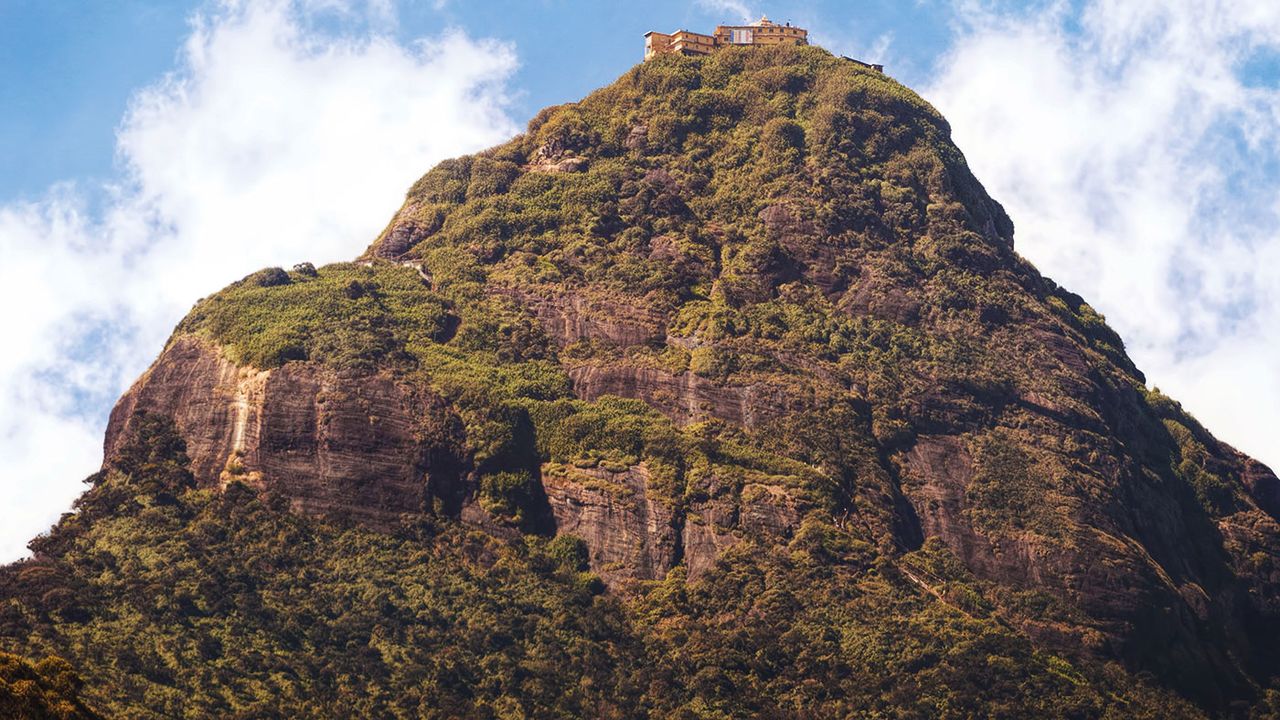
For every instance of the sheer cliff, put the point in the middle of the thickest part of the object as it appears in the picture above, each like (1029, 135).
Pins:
(721, 392)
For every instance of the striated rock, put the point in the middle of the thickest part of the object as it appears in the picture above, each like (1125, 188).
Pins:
(399, 239)
(631, 535)
(708, 531)
(1142, 575)
(687, 397)
(205, 394)
(937, 473)
(363, 448)
(767, 513)
(571, 317)
(369, 449)
(415, 222)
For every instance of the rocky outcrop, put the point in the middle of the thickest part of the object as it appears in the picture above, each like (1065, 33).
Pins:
(937, 474)
(369, 449)
(415, 222)
(557, 156)
(629, 532)
(398, 239)
(633, 532)
(1141, 575)
(723, 519)
(364, 448)
(687, 397)
(637, 137)
(562, 165)
(198, 388)
(568, 317)
(808, 251)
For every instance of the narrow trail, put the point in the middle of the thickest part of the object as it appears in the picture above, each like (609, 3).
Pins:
(932, 591)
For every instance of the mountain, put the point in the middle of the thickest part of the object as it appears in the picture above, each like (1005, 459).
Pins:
(720, 393)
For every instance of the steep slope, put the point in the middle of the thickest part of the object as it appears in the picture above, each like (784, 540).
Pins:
(185, 602)
(745, 336)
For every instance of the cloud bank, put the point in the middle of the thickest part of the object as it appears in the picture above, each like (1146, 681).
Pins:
(276, 140)
(1140, 160)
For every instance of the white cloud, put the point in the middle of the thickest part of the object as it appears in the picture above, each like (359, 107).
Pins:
(739, 11)
(1142, 169)
(878, 51)
(275, 141)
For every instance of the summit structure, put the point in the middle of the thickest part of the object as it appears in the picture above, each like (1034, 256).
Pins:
(684, 42)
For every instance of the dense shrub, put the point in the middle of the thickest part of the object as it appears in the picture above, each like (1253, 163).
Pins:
(347, 316)
(224, 604)
(46, 690)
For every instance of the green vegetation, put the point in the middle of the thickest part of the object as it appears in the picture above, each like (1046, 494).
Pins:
(783, 251)
(821, 629)
(1010, 490)
(46, 690)
(224, 604)
(349, 316)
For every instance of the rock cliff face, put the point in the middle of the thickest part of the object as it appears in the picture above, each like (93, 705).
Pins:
(363, 448)
(723, 520)
(367, 449)
(686, 397)
(819, 317)
(633, 533)
(630, 534)
(570, 318)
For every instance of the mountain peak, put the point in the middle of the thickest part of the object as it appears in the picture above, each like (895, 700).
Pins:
(731, 368)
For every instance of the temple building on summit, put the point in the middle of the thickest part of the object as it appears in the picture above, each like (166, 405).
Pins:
(764, 32)
(684, 42)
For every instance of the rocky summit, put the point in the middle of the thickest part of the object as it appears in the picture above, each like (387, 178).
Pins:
(720, 393)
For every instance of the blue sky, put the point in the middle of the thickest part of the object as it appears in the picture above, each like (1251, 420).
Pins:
(155, 151)
(69, 67)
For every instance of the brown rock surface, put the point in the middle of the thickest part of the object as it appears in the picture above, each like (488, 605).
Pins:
(686, 397)
(364, 448)
(630, 534)
(633, 533)
(766, 512)
(571, 317)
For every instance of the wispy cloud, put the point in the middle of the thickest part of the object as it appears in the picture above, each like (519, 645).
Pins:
(273, 142)
(739, 11)
(1142, 169)
(842, 44)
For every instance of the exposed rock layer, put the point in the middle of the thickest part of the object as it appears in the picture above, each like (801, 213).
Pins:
(368, 449)
(630, 535)
(364, 447)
